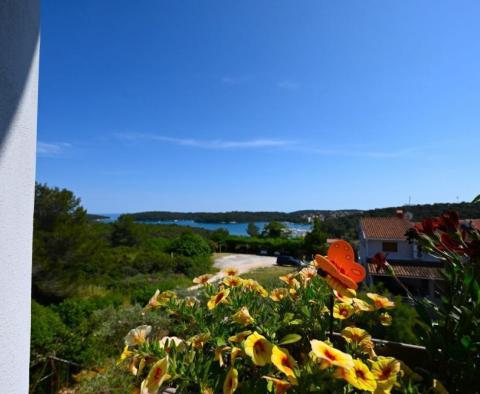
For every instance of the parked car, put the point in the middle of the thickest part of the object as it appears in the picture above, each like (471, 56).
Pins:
(290, 260)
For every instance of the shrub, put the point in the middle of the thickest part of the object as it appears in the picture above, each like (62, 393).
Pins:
(190, 245)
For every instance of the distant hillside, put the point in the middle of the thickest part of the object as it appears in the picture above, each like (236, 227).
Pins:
(92, 216)
(241, 216)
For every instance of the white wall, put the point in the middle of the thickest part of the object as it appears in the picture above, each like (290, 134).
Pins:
(19, 45)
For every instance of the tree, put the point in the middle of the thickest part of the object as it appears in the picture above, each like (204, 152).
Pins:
(253, 230)
(191, 245)
(219, 236)
(124, 232)
(315, 241)
(275, 230)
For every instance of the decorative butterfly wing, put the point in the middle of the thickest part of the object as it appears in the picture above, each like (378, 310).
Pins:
(341, 264)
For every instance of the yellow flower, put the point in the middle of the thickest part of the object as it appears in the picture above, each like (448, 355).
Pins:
(232, 281)
(199, 340)
(307, 274)
(293, 293)
(360, 305)
(239, 337)
(253, 285)
(206, 390)
(138, 335)
(155, 378)
(385, 371)
(281, 386)
(359, 376)
(354, 334)
(278, 294)
(381, 302)
(328, 355)
(234, 354)
(231, 381)
(243, 316)
(167, 343)
(202, 279)
(438, 387)
(230, 271)
(359, 338)
(339, 287)
(220, 297)
(190, 301)
(290, 280)
(284, 362)
(133, 366)
(153, 302)
(219, 354)
(385, 319)
(125, 354)
(258, 348)
(342, 311)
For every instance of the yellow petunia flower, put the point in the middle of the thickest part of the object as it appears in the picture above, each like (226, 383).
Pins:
(342, 311)
(234, 354)
(190, 301)
(385, 371)
(206, 390)
(284, 362)
(339, 287)
(155, 378)
(232, 281)
(202, 279)
(253, 285)
(138, 335)
(219, 354)
(359, 338)
(281, 386)
(198, 341)
(219, 298)
(239, 337)
(167, 343)
(307, 274)
(385, 319)
(278, 294)
(258, 348)
(381, 302)
(328, 355)
(359, 376)
(293, 293)
(361, 306)
(125, 354)
(230, 271)
(231, 381)
(290, 280)
(243, 317)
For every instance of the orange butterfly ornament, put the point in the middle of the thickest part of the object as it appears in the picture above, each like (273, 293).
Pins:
(340, 264)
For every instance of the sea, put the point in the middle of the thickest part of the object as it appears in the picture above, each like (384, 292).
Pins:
(234, 228)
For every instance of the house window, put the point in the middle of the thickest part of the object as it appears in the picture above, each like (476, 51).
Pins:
(389, 247)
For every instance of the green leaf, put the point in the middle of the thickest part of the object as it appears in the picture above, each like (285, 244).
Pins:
(476, 200)
(466, 341)
(296, 322)
(288, 317)
(290, 338)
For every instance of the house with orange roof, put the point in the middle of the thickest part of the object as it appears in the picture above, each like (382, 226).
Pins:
(418, 271)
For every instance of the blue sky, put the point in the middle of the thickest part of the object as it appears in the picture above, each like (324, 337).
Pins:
(259, 105)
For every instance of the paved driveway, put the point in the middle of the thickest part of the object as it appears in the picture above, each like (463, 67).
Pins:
(242, 262)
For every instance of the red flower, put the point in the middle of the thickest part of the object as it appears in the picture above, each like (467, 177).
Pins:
(449, 221)
(380, 261)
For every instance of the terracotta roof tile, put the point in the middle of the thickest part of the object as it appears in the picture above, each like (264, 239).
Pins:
(409, 271)
(385, 228)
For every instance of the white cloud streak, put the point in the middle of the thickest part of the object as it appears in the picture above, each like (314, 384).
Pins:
(271, 143)
(211, 144)
(51, 149)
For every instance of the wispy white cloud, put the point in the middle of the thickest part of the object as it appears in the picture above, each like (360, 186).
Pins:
(281, 144)
(51, 149)
(288, 85)
(212, 144)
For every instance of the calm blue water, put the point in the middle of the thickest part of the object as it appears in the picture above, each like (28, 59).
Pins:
(233, 228)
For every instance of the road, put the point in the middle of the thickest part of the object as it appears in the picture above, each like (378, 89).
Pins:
(242, 262)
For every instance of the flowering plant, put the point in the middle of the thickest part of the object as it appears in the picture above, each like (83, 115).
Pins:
(235, 336)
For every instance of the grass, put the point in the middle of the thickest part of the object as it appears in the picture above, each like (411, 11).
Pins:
(268, 277)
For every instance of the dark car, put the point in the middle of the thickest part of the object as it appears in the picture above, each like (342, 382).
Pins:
(290, 260)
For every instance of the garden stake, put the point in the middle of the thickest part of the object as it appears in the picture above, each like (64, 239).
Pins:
(331, 316)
